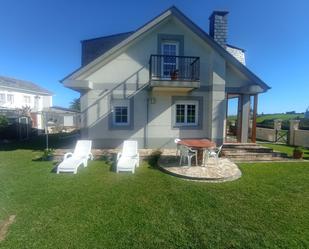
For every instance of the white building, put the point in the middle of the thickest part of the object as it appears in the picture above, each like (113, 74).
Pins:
(16, 94)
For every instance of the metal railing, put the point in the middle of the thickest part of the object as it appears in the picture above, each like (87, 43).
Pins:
(179, 68)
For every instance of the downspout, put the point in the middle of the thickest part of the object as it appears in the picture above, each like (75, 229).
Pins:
(147, 119)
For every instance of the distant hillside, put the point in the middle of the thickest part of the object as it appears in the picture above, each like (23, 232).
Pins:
(261, 118)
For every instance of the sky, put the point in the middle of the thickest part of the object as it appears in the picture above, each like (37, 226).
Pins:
(40, 40)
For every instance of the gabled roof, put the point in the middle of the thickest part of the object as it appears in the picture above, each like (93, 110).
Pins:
(172, 11)
(23, 85)
(60, 108)
(93, 48)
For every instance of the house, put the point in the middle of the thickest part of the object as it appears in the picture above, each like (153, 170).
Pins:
(62, 119)
(18, 94)
(168, 79)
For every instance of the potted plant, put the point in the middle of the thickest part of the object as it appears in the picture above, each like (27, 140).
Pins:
(298, 153)
(174, 74)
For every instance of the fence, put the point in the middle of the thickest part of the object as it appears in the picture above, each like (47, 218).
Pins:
(294, 136)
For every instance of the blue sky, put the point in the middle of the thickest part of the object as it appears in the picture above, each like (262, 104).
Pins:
(40, 40)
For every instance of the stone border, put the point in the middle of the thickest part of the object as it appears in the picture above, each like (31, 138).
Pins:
(200, 179)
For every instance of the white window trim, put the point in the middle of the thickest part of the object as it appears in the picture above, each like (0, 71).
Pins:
(3, 100)
(186, 103)
(127, 105)
(25, 102)
(176, 43)
(11, 101)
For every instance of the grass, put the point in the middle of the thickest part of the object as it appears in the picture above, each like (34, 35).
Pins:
(287, 149)
(97, 208)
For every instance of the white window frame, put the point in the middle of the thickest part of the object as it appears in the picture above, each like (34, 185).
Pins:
(176, 43)
(10, 101)
(27, 97)
(121, 104)
(2, 98)
(186, 103)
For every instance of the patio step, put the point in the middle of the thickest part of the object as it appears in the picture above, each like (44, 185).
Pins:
(251, 152)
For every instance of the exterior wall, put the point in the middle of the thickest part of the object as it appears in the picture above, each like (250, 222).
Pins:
(125, 74)
(301, 138)
(266, 134)
(37, 103)
(43, 101)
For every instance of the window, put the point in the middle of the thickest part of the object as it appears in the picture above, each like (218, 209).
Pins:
(169, 63)
(2, 98)
(10, 98)
(121, 115)
(186, 113)
(27, 100)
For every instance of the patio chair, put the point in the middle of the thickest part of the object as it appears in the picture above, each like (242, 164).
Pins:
(215, 152)
(177, 145)
(81, 155)
(187, 153)
(128, 159)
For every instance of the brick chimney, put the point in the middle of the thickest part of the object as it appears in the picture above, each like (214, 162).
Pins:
(218, 27)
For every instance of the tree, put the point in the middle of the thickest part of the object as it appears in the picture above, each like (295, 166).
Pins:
(3, 122)
(75, 104)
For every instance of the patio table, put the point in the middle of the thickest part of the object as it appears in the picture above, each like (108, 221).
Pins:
(198, 144)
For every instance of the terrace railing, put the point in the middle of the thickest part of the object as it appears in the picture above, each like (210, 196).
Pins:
(178, 68)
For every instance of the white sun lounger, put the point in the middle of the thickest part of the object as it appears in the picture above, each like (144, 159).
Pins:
(81, 155)
(128, 159)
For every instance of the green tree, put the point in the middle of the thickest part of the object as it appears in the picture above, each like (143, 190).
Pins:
(75, 104)
(3, 122)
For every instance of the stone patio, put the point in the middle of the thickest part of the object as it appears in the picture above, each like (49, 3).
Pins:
(226, 170)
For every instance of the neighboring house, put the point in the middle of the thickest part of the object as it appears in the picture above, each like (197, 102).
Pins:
(62, 119)
(18, 94)
(167, 79)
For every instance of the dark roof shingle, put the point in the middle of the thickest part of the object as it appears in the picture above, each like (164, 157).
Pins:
(13, 83)
(93, 48)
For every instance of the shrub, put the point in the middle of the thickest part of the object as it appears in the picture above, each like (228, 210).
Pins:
(47, 154)
(298, 152)
(153, 158)
(3, 122)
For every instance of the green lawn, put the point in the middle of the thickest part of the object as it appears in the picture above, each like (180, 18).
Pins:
(287, 149)
(97, 208)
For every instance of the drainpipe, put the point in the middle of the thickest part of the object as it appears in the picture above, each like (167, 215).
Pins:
(146, 125)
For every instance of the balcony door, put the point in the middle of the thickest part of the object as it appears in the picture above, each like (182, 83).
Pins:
(169, 63)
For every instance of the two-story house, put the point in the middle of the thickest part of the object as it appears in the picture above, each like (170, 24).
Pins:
(17, 94)
(168, 79)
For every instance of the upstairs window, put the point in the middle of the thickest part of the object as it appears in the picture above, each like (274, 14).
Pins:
(10, 98)
(2, 98)
(186, 113)
(169, 60)
(27, 100)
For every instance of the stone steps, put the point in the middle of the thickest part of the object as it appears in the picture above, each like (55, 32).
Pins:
(251, 152)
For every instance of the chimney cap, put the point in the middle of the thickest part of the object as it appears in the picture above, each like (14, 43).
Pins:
(218, 13)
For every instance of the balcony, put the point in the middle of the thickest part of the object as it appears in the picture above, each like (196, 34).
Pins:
(168, 71)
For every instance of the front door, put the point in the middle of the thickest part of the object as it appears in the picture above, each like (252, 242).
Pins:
(169, 59)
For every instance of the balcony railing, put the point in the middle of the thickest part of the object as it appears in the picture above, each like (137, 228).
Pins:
(177, 68)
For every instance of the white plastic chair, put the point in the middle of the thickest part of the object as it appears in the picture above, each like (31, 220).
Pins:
(128, 159)
(81, 155)
(215, 152)
(177, 140)
(187, 153)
